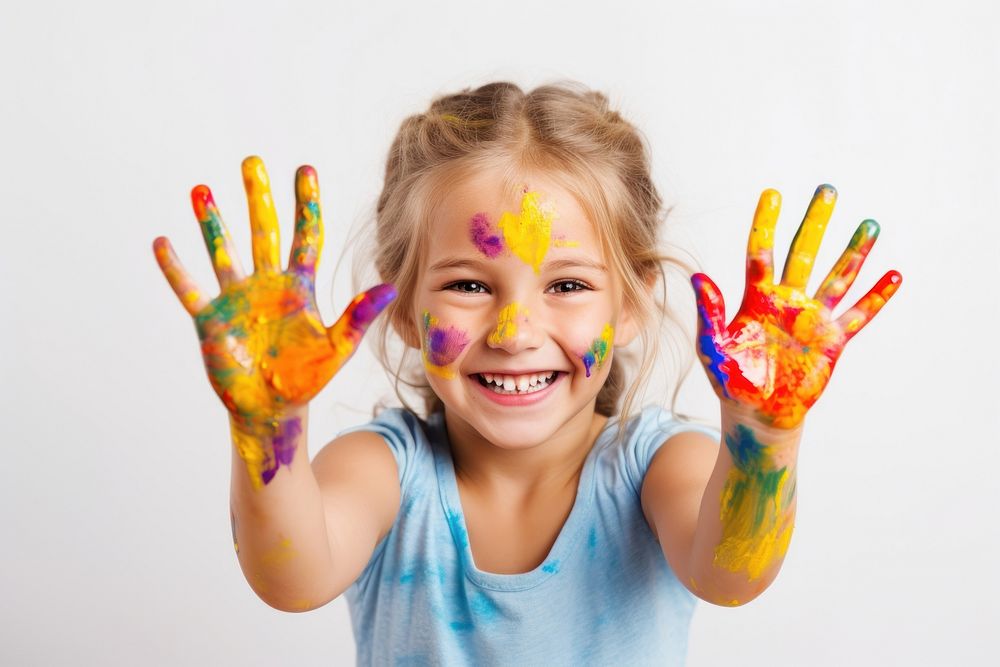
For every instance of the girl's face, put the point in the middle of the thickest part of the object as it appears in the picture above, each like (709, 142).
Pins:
(517, 309)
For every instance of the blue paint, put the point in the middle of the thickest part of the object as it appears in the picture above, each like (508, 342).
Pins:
(455, 521)
(592, 543)
(484, 608)
(552, 566)
(745, 449)
(708, 348)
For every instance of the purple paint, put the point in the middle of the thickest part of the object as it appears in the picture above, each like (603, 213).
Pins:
(483, 236)
(283, 446)
(368, 305)
(442, 345)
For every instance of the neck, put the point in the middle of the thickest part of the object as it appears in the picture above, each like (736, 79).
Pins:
(523, 473)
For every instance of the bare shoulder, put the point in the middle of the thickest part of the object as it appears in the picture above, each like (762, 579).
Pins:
(677, 477)
(359, 485)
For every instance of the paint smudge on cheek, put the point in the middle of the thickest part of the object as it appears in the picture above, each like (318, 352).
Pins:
(506, 328)
(529, 233)
(754, 507)
(484, 237)
(441, 346)
(598, 350)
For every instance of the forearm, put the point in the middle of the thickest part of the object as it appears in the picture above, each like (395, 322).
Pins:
(279, 528)
(747, 512)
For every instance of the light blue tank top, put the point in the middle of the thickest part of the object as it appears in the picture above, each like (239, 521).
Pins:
(605, 594)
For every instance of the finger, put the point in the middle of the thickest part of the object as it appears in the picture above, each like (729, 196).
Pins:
(711, 306)
(348, 330)
(308, 242)
(263, 218)
(220, 246)
(843, 273)
(183, 285)
(711, 324)
(802, 255)
(760, 247)
(865, 309)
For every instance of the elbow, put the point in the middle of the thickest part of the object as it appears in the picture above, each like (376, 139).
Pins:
(726, 595)
(291, 601)
(292, 605)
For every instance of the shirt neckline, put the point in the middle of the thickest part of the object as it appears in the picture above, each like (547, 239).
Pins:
(454, 514)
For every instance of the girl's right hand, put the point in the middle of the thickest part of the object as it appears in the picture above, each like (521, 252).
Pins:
(265, 347)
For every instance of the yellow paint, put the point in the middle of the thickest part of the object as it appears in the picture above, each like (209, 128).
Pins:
(251, 450)
(221, 258)
(279, 555)
(805, 245)
(444, 372)
(263, 217)
(761, 243)
(529, 234)
(747, 547)
(308, 244)
(506, 324)
(259, 583)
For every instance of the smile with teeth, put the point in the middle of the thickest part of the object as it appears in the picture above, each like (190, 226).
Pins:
(516, 384)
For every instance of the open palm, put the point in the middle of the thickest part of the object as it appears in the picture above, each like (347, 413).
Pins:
(263, 341)
(777, 354)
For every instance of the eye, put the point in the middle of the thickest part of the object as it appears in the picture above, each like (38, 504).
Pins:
(467, 286)
(566, 286)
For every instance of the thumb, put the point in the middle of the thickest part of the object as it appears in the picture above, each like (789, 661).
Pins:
(711, 324)
(346, 332)
(711, 306)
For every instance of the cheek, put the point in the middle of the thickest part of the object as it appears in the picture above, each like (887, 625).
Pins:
(590, 339)
(597, 351)
(441, 344)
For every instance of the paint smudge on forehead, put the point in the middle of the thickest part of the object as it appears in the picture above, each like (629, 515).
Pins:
(529, 233)
(441, 346)
(598, 351)
(506, 323)
(484, 236)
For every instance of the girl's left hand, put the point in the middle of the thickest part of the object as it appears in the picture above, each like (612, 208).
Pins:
(778, 353)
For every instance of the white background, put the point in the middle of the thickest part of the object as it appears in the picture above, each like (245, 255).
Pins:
(116, 546)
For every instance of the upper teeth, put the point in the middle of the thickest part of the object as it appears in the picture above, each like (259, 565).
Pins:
(519, 382)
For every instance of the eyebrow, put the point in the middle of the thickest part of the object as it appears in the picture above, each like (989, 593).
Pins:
(553, 265)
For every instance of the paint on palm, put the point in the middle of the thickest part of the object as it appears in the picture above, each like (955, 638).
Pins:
(755, 507)
(441, 346)
(264, 344)
(778, 353)
(599, 349)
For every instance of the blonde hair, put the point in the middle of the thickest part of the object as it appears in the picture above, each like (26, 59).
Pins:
(570, 132)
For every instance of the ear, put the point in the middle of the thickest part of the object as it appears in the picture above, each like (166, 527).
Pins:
(628, 328)
(629, 325)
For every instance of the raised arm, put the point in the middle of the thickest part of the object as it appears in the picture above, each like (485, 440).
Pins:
(267, 354)
(724, 515)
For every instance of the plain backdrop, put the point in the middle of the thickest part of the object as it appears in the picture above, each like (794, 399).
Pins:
(116, 546)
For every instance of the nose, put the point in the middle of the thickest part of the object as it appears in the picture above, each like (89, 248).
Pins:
(515, 330)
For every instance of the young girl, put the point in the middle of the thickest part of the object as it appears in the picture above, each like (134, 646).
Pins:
(527, 518)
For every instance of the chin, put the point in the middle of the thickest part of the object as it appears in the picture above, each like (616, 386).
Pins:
(523, 436)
